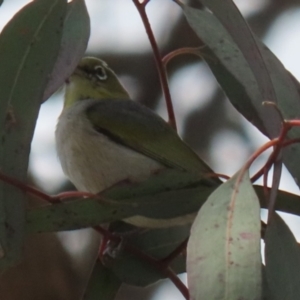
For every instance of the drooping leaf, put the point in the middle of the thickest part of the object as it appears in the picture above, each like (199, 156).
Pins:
(223, 253)
(266, 293)
(161, 197)
(103, 284)
(74, 41)
(241, 34)
(285, 202)
(29, 45)
(166, 195)
(230, 61)
(282, 255)
(84, 213)
(227, 53)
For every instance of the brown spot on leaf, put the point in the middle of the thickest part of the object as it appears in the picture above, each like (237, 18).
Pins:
(10, 119)
(221, 277)
(199, 258)
(247, 235)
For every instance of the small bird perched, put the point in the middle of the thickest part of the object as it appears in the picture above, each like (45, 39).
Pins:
(103, 138)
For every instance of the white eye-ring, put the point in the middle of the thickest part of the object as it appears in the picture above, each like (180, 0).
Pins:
(100, 73)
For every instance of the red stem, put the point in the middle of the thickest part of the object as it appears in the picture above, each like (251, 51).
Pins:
(71, 194)
(278, 144)
(173, 255)
(277, 167)
(287, 125)
(216, 175)
(186, 50)
(290, 142)
(141, 7)
(258, 152)
(160, 267)
(24, 187)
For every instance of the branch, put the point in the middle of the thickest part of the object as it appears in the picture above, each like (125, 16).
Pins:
(141, 7)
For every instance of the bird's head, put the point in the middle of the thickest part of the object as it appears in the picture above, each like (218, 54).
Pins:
(93, 79)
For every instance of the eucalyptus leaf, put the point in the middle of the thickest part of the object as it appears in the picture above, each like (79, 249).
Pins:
(103, 284)
(122, 201)
(266, 293)
(76, 32)
(228, 54)
(158, 197)
(158, 244)
(83, 213)
(230, 60)
(223, 253)
(29, 45)
(282, 255)
(241, 34)
(285, 202)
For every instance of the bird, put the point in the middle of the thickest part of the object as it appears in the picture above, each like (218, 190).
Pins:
(103, 137)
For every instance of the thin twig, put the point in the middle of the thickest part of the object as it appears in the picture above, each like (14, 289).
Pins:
(161, 268)
(72, 194)
(180, 51)
(141, 7)
(173, 255)
(24, 187)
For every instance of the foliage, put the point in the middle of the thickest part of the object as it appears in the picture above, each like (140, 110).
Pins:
(39, 49)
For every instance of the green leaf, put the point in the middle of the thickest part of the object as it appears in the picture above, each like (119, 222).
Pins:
(285, 202)
(241, 34)
(29, 45)
(103, 284)
(266, 293)
(165, 195)
(162, 197)
(157, 243)
(282, 255)
(227, 58)
(227, 55)
(223, 253)
(75, 37)
(164, 181)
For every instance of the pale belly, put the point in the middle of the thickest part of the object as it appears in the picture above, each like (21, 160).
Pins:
(93, 162)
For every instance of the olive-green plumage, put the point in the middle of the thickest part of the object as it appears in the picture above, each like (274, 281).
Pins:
(103, 137)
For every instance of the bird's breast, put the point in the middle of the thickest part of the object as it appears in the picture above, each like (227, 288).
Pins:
(91, 160)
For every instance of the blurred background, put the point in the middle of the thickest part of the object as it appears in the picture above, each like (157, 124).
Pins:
(57, 264)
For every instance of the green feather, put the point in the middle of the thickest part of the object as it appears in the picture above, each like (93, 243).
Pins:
(137, 127)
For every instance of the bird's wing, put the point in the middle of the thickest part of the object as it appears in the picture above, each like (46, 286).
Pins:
(137, 127)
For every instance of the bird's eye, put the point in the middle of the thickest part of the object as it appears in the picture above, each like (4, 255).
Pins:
(100, 73)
